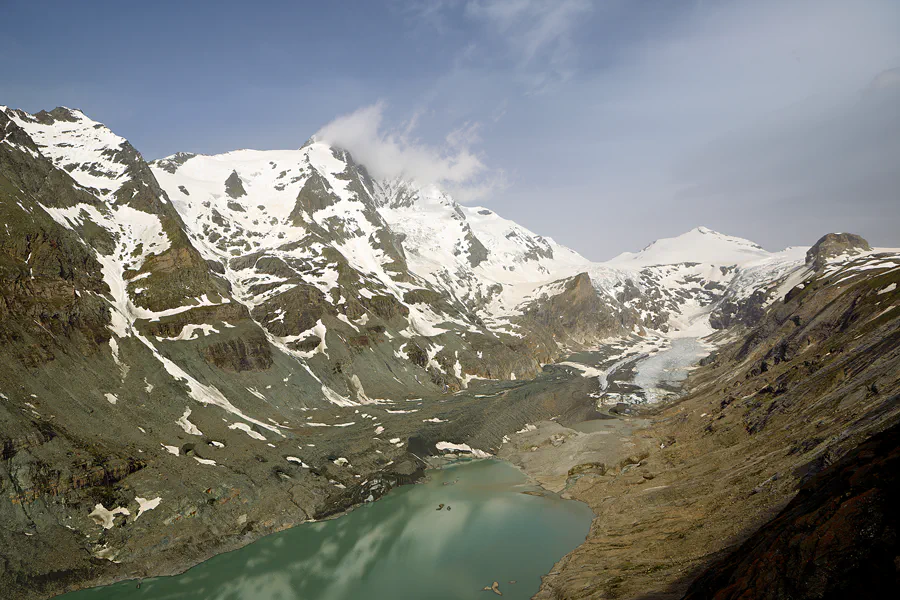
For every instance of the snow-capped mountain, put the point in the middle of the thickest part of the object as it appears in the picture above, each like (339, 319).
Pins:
(699, 245)
(263, 261)
(220, 337)
(679, 285)
(302, 253)
(288, 206)
(474, 258)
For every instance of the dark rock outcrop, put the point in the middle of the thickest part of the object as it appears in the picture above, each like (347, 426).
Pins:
(253, 354)
(477, 252)
(838, 537)
(576, 315)
(301, 306)
(315, 195)
(835, 244)
(171, 164)
(234, 187)
(746, 311)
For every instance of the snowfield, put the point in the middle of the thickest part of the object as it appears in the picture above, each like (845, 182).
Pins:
(475, 257)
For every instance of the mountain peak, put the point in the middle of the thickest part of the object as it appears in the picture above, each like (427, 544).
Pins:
(700, 244)
(832, 245)
(89, 151)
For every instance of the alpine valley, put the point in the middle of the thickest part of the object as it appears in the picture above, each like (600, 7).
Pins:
(202, 350)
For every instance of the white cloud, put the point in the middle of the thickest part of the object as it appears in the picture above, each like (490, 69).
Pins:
(464, 136)
(532, 25)
(428, 12)
(539, 33)
(389, 153)
(887, 79)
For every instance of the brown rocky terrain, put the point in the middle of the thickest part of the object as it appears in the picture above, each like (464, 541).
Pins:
(837, 538)
(816, 377)
(831, 245)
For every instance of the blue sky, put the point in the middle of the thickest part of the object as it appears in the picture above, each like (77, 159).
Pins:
(604, 124)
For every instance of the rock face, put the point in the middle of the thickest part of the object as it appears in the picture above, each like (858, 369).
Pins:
(44, 266)
(745, 311)
(835, 244)
(836, 538)
(234, 187)
(240, 354)
(573, 314)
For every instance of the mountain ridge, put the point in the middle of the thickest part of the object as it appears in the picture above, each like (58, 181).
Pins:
(178, 328)
(313, 216)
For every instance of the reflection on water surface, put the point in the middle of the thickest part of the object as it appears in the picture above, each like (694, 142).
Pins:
(398, 547)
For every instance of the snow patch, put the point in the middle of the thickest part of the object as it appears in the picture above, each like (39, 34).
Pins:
(184, 423)
(451, 447)
(106, 518)
(144, 505)
(248, 430)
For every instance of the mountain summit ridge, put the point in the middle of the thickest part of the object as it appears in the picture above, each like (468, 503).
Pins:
(397, 231)
(700, 244)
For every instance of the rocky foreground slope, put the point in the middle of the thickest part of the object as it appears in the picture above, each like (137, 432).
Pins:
(837, 538)
(204, 349)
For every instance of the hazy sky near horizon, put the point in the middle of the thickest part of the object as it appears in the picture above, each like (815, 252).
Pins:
(604, 124)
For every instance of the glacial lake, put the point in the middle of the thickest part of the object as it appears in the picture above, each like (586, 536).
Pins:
(396, 548)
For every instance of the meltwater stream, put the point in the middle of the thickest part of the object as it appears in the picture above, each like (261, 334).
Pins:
(398, 547)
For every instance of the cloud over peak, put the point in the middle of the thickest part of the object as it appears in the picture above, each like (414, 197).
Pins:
(392, 152)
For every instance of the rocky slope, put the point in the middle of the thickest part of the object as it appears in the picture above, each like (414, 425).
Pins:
(817, 375)
(836, 538)
(192, 345)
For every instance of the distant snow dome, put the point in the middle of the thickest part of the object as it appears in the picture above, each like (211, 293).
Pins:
(699, 245)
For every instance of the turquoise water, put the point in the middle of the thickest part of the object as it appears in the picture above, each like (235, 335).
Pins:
(399, 547)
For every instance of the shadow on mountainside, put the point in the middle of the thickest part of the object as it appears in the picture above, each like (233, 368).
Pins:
(838, 536)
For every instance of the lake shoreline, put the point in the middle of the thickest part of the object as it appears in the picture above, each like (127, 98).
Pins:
(455, 506)
(550, 476)
(165, 568)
